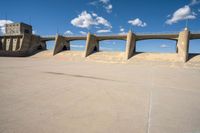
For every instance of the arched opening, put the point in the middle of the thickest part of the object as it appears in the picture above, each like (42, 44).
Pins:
(50, 45)
(194, 48)
(77, 45)
(65, 48)
(39, 48)
(112, 45)
(95, 49)
(156, 46)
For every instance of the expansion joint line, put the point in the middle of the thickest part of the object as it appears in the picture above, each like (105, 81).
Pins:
(150, 102)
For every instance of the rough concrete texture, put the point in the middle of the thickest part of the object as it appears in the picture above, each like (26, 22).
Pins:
(183, 42)
(92, 45)
(55, 94)
(60, 44)
(21, 45)
(130, 45)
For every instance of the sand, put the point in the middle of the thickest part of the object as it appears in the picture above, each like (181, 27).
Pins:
(100, 94)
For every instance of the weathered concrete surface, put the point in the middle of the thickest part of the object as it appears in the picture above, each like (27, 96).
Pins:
(92, 45)
(183, 45)
(21, 45)
(60, 44)
(130, 45)
(53, 94)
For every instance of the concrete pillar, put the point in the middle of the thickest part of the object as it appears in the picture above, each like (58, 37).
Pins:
(16, 42)
(60, 44)
(183, 45)
(9, 44)
(130, 45)
(92, 45)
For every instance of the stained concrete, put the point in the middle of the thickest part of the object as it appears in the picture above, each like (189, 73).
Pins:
(55, 94)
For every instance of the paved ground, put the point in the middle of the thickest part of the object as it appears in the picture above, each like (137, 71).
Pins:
(48, 95)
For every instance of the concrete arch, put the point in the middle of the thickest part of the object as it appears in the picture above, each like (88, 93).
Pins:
(156, 46)
(112, 45)
(162, 36)
(77, 45)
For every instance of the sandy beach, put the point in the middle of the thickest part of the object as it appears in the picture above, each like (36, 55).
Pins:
(67, 93)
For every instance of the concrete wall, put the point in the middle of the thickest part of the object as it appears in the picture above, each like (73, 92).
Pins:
(27, 44)
(20, 45)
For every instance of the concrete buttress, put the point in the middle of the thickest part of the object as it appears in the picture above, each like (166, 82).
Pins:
(92, 45)
(130, 45)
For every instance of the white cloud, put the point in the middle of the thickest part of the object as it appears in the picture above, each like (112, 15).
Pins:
(106, 4)
(94, 14)
(83, 32)
(183, 13)
(198, 10)
(104, 31)
(34, 32)
(164, 46)
(105, 1)
(2, 25)
(86, 20)
(122, 29)
(194, 2)
(108, 8)
(137, 22)
(69, 32)
(94, 3)
(103, 21)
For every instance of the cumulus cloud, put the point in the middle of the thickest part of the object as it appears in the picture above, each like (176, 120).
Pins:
(122, 31)
(2, 25)
(105, 1)
(198, 10)
(68, 32)
(86, 20)
(83, 33)
(137, 22)
(34, 32)
(108, 8)
(194, 2)
(106, 4)
(104, 31)
(183, 13)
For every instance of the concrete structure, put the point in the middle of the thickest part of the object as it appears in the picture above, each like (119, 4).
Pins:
(61, 44)
(19, 41)
(18, 29)
(92, 45)
(92, 42)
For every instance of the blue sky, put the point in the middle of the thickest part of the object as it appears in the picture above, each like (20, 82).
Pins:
(77, 17)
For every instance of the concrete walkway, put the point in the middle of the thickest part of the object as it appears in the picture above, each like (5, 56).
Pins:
(48, 95)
